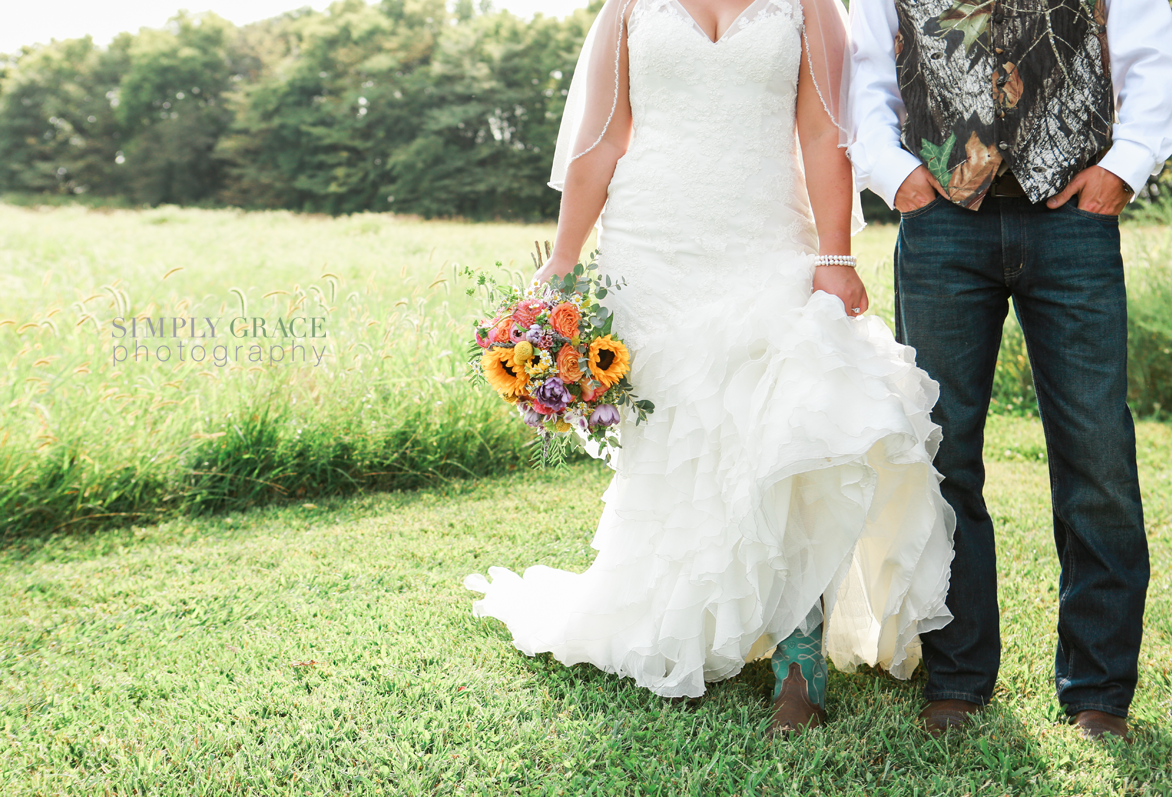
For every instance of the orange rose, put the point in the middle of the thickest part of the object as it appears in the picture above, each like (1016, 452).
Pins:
(590, 389)
(500, 333)
(567, 361)
(564, 319)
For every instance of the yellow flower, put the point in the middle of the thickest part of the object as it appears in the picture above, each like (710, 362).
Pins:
(502, 373)
(523, 352)
(562, 426)
(609, 360)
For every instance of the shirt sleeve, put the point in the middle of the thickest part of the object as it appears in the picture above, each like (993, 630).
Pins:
(1139, 39)
(876, 107)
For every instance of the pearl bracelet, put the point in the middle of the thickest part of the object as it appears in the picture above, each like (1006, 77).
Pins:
(847, 261)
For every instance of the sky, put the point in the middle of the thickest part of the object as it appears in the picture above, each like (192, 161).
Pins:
(30, 22)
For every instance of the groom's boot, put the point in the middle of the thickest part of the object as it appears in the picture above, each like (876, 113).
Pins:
(940, 716)
(1100, 726)
(799, 693)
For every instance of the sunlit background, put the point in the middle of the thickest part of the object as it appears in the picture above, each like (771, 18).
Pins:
(29, 23)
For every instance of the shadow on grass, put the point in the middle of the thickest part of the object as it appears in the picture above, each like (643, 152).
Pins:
(873, 743)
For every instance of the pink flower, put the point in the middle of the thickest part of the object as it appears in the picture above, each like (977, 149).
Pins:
(544, 410)
(502, 331)
(481, 340)
(527, 312)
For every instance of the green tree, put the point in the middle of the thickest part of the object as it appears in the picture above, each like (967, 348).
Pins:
(401, 105)
(497, 87)
(58, 128)
(305, 135)
(170, 103)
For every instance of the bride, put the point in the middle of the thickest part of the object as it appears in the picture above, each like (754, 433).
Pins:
(782, 496)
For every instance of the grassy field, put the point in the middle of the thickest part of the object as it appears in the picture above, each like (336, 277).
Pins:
(330, 648)
(323, 644)
(99, 430)
(89, 435)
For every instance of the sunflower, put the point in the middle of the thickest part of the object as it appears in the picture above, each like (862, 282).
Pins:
(505, 376)
(609, 360)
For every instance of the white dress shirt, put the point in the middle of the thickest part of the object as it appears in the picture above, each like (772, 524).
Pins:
(1139, 39)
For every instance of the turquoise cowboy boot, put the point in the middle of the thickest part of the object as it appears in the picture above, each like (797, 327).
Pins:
(799, 694)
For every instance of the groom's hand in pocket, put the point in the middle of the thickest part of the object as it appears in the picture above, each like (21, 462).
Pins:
(918, 190)
(1098, 190)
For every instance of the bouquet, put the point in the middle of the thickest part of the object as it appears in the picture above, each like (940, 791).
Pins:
(549, 351)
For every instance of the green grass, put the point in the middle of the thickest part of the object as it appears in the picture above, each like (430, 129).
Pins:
(89, 441)
(331, 649)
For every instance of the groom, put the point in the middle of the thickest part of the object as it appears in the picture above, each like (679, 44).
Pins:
(1010, 136)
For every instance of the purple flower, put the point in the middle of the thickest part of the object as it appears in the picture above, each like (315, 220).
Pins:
(605, 415)
(533, 418)
(539, 337)
(554, 394)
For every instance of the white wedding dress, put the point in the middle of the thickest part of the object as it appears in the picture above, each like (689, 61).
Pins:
(789, 457)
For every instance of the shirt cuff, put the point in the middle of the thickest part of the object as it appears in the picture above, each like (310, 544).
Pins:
(1131, 162)
(892, 167)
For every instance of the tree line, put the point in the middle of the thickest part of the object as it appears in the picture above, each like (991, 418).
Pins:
(412, 106)
(405, 105)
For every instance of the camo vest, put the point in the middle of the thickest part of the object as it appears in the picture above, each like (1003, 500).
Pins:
(987, 81)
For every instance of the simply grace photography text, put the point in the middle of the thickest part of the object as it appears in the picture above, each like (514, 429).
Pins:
(191, 340)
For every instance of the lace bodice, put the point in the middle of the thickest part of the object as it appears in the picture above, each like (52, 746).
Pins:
(755, 12)
(712, 177)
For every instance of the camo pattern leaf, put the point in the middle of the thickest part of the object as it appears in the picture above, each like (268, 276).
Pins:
(970, 17)
(936, 158)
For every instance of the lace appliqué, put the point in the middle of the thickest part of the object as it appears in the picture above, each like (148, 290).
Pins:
(711, 183)
(756, 12)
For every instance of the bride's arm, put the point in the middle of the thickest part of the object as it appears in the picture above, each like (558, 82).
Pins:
(830, 185)
(587, 180)
(589, 176)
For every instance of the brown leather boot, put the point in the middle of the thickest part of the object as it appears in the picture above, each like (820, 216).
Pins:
(940, 716)
(1096, 725)
(793, 711)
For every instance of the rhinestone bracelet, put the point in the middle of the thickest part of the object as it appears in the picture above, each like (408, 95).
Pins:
(847, 261)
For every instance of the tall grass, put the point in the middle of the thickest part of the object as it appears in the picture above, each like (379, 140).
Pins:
(86, 440)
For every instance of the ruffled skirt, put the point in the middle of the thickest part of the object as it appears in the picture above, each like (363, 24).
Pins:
(789, 459)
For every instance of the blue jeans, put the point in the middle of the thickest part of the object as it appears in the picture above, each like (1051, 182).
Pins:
(955, 271)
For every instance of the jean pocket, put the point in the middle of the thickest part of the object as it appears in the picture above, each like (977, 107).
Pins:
(1086, 214)
(913, 214)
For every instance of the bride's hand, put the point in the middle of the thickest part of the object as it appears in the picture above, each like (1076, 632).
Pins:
(555, 267)
(846, 285)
